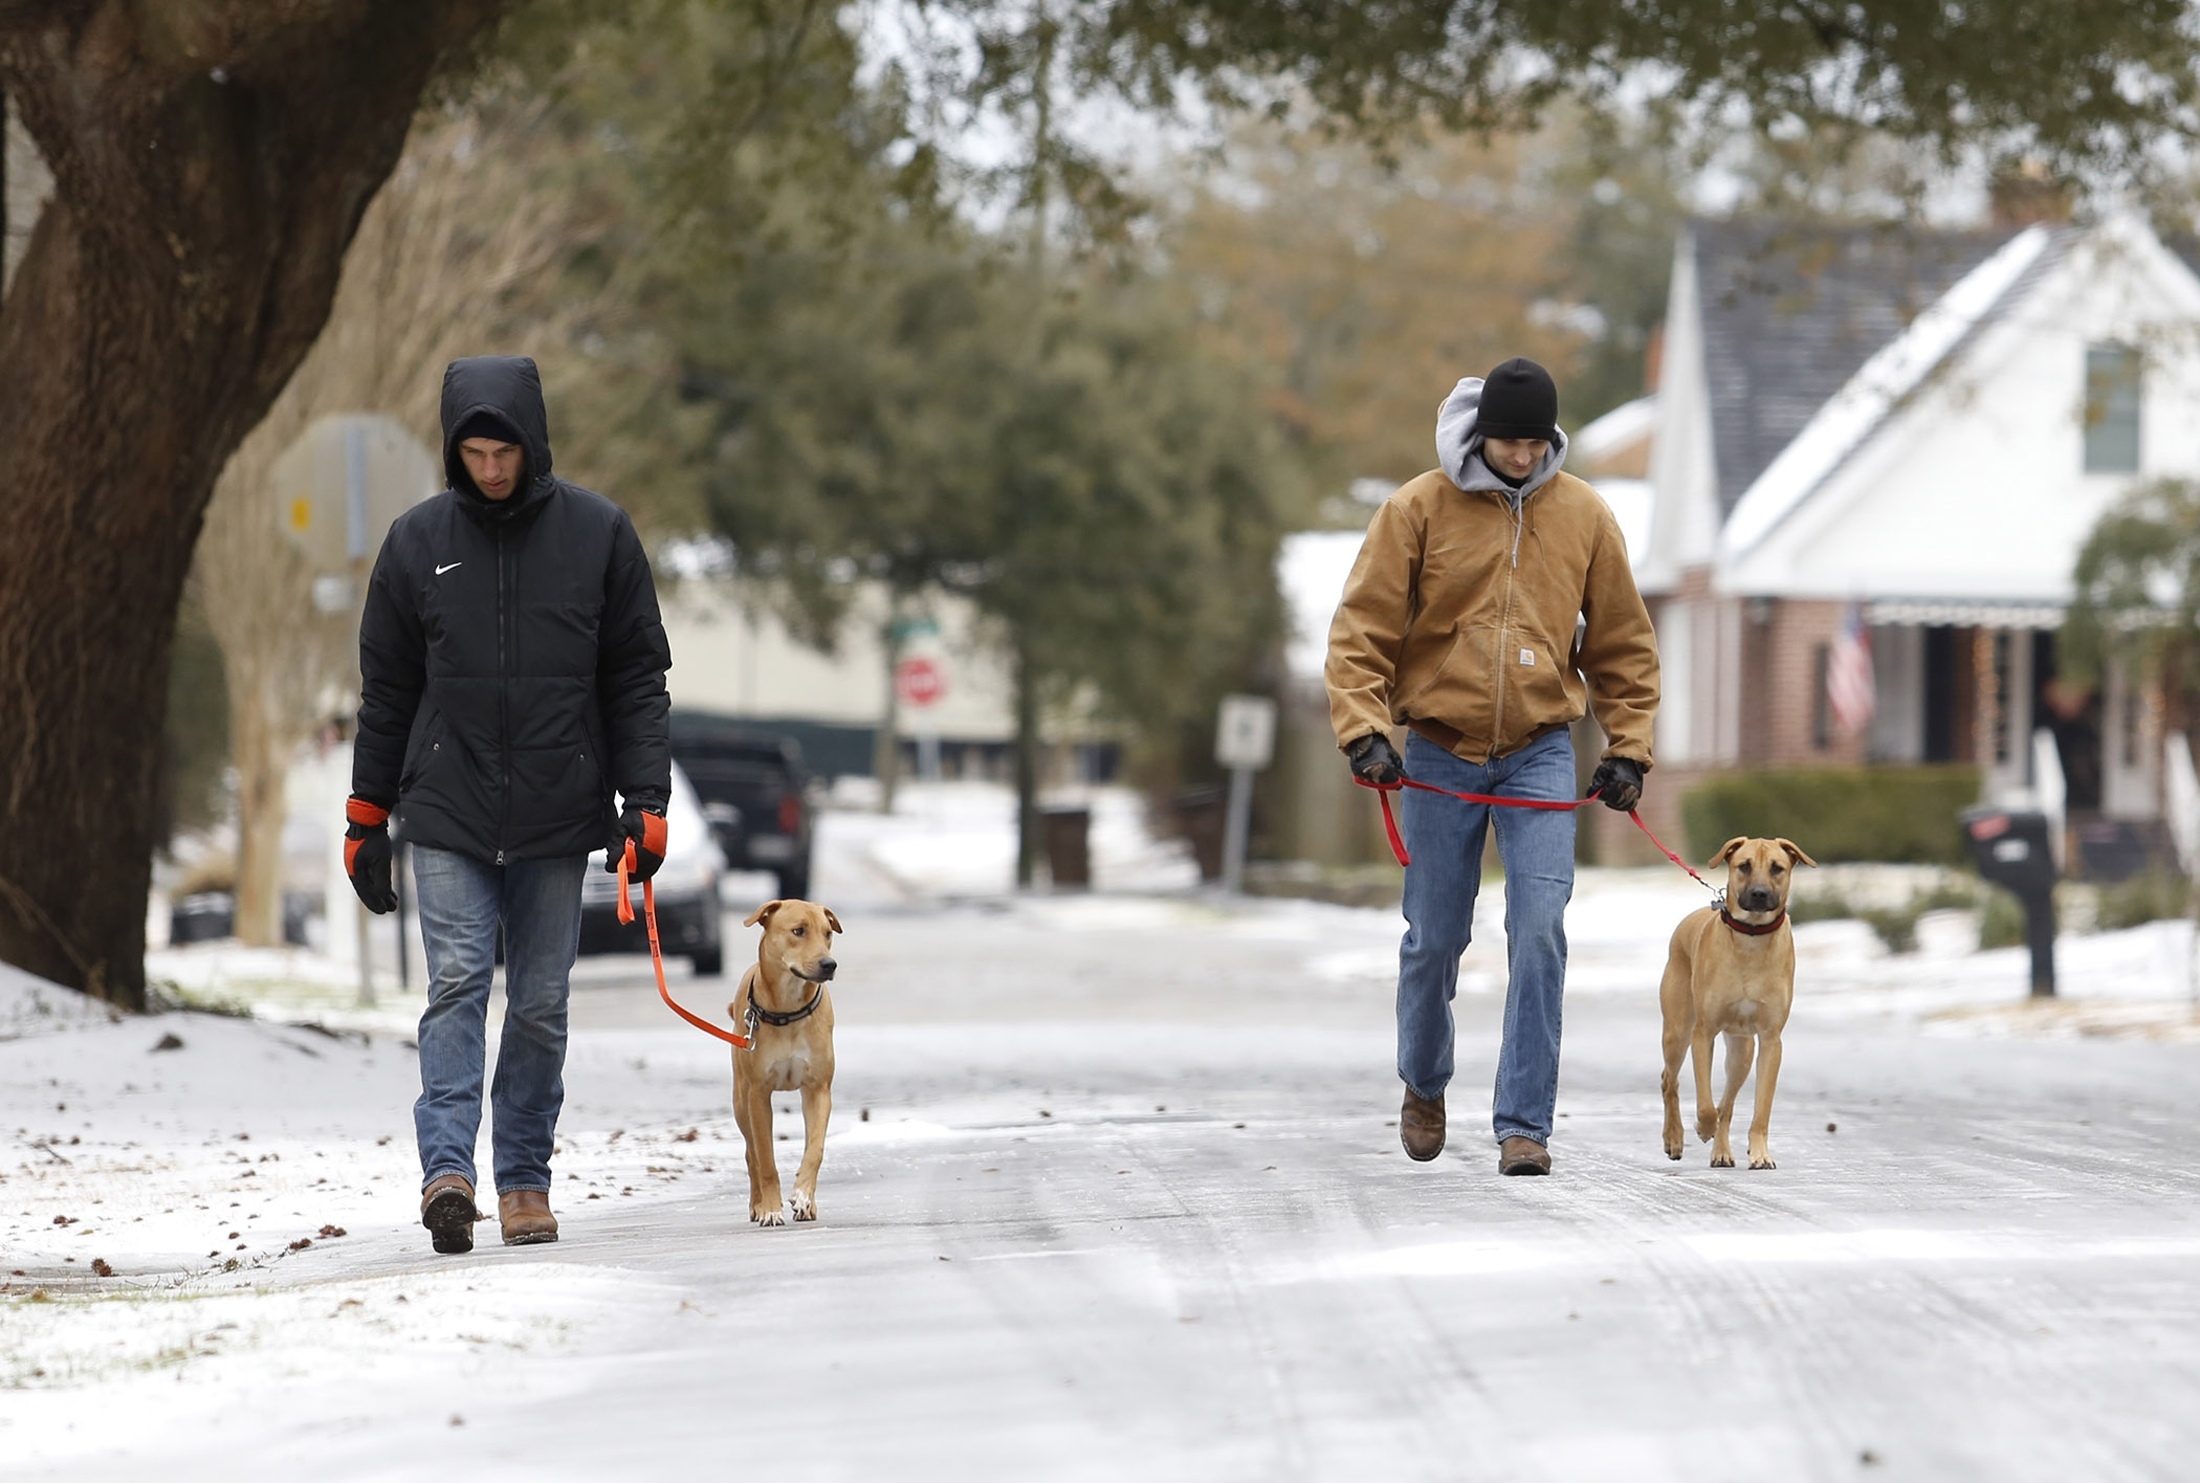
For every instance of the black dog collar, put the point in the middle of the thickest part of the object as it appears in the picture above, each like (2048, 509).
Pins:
(1749, 931)
(775, 1017)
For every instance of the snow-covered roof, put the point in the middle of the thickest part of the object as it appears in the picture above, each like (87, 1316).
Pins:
(1615, 430)
(1881, 384)
(1789, 312)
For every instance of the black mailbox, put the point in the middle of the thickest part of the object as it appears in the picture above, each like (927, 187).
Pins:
(2012, 849)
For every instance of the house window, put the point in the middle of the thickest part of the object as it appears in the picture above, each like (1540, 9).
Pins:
(1821, 705)
(2112, 386)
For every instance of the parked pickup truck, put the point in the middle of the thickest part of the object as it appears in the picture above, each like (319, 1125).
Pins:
(751, 782)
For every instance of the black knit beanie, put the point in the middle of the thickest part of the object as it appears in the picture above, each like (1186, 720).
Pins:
(1519, 400)
(487, 424)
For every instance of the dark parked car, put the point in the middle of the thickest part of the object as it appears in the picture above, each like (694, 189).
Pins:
(751, 783)
(690, 919)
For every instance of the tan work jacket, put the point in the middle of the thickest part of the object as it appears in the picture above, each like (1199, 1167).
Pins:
(1459, 621)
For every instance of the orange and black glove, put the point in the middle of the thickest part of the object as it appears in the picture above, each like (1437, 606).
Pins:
(646, 831)
(367, 854)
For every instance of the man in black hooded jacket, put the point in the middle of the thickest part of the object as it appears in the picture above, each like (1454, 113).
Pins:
(512, 677)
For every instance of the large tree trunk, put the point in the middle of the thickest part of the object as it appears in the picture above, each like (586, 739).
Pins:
(211, 160)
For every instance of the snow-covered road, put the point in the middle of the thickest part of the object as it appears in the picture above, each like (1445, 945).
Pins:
(1114, 1190)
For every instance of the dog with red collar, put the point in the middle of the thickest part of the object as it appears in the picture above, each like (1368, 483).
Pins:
(1730, 971)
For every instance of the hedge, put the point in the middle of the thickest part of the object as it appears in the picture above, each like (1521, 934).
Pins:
(1873, 813)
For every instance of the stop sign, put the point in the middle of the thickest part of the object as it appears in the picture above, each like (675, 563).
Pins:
(919, 682)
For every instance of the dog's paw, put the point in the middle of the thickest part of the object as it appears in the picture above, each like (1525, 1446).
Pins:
(1763, 1163)
(804, 1207)
(768, 1217)
(1707, 1123)
(1673, 1151)
(1722, 1161)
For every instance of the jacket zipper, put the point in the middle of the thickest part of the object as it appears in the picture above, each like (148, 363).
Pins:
(1504, 622)
(504, 712)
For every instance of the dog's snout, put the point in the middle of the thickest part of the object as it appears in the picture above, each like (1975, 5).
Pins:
(1760, 898)
(826, 968)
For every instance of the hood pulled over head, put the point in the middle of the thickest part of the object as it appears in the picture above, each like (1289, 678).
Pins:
(482, 393)
(1459, 445)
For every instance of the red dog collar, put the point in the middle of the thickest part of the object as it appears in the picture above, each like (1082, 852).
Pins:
(1747, 930)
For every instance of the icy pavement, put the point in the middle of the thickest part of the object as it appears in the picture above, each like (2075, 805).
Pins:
(1114, 1190)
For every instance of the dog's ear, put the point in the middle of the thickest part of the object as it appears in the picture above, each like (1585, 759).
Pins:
(831, 920)
(1795, 853)
(1726, 851)
(763, 913)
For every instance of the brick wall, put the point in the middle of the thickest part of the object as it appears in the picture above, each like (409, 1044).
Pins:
(1784, 707)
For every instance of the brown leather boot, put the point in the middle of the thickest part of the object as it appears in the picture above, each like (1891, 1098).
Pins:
(1421, 1126)
(526, 1217)
(447, 1210)
(1518, 1155)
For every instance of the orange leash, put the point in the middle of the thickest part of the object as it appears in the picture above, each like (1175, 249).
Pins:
(1556, 805)
(657, 954)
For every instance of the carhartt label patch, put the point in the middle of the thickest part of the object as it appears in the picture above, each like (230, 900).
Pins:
(1527, 656)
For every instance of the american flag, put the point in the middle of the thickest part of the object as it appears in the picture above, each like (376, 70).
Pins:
(1850, 688)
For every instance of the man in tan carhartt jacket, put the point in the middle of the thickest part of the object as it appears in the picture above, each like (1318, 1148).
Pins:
(1491, 605)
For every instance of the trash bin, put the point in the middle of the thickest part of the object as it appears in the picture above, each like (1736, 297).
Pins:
(1203, 815)
(1069, 848)
(2011, 849)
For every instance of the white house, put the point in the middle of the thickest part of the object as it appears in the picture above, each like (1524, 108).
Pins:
(1920, 428)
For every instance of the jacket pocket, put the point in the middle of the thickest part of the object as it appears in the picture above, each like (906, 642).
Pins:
(557, 787)
(1425, 665)
(1543, 687)
(423, 746)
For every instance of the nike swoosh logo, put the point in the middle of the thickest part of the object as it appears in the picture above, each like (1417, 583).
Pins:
(439, 571)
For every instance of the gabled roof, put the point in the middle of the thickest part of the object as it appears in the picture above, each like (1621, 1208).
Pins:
(1790, 313)
(1887, 380)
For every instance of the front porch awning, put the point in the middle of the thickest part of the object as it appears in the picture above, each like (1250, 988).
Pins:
(1962, 613)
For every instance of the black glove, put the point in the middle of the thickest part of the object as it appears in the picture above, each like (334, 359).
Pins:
(1618, 781)
(646, 831)
(1375, 760)
(367, 854)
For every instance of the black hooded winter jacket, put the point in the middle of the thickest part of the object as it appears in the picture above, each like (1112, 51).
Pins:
(511, 660)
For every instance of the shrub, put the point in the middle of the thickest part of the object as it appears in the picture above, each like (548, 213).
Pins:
(2001, 922)
(1896, 925)
(1877, 813)
(1829, 907)
(2148, 897)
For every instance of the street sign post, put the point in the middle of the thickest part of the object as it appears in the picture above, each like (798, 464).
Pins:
(1245, 742)
(920, 683)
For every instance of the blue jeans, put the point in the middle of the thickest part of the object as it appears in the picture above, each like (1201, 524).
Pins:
(462, 902)
(1444, 837)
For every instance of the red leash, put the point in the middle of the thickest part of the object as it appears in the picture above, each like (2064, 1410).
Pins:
(1552, 805)
(657, 955)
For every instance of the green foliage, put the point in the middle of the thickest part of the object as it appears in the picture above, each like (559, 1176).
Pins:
(2151, 896)
(1815, 906)
(2001, 922)
(1066, 461)
(1895, 926)
(2076, 83)
(1835, 814)
(2137, 595)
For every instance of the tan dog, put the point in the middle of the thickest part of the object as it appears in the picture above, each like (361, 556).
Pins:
(1731, 971)
(793, 1049)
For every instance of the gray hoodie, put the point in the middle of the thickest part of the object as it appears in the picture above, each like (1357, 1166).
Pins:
(1459, 447)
